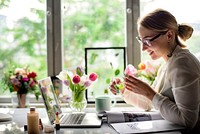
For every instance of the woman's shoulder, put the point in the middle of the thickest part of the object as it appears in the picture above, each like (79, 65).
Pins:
(184, 57)
(184, 62)
(184, 66)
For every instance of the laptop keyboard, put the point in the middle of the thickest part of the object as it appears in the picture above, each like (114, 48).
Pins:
(73, 118)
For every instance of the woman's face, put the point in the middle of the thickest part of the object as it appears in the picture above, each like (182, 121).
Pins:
(155, 44)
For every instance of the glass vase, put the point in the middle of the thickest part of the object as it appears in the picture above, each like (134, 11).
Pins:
(78, 101)
(20, 100)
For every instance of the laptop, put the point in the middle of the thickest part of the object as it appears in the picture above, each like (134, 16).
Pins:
(76, 119)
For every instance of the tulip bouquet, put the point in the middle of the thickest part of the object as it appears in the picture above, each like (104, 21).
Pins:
(78, 82)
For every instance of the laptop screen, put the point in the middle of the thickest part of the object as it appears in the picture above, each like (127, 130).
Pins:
(49, 98)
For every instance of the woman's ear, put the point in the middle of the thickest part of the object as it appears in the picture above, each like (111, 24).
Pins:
(170, 35)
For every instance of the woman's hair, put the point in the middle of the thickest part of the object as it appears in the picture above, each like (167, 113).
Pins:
(161, 20)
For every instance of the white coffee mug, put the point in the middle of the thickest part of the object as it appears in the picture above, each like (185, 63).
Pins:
(104, 103)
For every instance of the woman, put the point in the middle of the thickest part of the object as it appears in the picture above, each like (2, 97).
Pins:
(176, 90)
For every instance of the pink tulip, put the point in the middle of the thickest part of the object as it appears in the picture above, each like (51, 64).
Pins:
(79, 71)
(76, 79)
(87, 84)
(130, 70)
(93, 76)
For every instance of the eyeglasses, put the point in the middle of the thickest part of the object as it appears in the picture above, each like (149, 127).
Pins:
(147, 42)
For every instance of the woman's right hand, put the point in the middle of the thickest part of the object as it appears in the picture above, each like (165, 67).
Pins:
(114, 86)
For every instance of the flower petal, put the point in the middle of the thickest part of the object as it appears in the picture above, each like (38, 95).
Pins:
(130, 70)
(62, 75)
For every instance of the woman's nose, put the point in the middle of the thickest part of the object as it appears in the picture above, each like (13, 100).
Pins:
(144, 47)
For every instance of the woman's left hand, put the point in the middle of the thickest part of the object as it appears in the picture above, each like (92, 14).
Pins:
(137, 86)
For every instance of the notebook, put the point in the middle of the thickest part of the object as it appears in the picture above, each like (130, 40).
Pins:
(66, 119)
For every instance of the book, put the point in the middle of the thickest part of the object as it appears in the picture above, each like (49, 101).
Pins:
(130, 116)
(125, 122)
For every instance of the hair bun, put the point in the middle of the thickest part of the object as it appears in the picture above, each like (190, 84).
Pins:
(184, 31)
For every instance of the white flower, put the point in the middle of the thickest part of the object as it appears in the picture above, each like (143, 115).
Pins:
(62, 75)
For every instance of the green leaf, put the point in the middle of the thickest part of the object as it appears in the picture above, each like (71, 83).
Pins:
(119, 86)
(108, 80)
(106, 91)
(117, 72)
(37, 94)
(93, 58)
(71, 85)
(116, 87)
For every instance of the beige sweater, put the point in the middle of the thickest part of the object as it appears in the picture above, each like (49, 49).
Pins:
(178, 86)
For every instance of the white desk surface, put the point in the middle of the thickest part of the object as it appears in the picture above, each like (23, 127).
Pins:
(19, 115)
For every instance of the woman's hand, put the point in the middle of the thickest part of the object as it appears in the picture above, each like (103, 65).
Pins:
(113, 85)
(137, 86)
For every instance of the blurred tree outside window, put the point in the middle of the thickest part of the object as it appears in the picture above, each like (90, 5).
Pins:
(23, 37)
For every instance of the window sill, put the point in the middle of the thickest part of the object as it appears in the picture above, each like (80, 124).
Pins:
(5, 101)
(63, 105)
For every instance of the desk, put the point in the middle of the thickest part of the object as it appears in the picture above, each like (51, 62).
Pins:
(19, 119)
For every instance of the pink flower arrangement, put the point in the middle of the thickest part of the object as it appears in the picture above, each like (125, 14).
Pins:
(147, 71)
(22, 81)
(78, 80)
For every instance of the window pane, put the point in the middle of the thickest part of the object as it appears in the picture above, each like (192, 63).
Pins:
(91, 23)
(23, 36)
(186, 13)
(108, 63)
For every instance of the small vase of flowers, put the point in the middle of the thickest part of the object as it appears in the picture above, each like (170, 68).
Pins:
(21, 81)
(78, 82)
